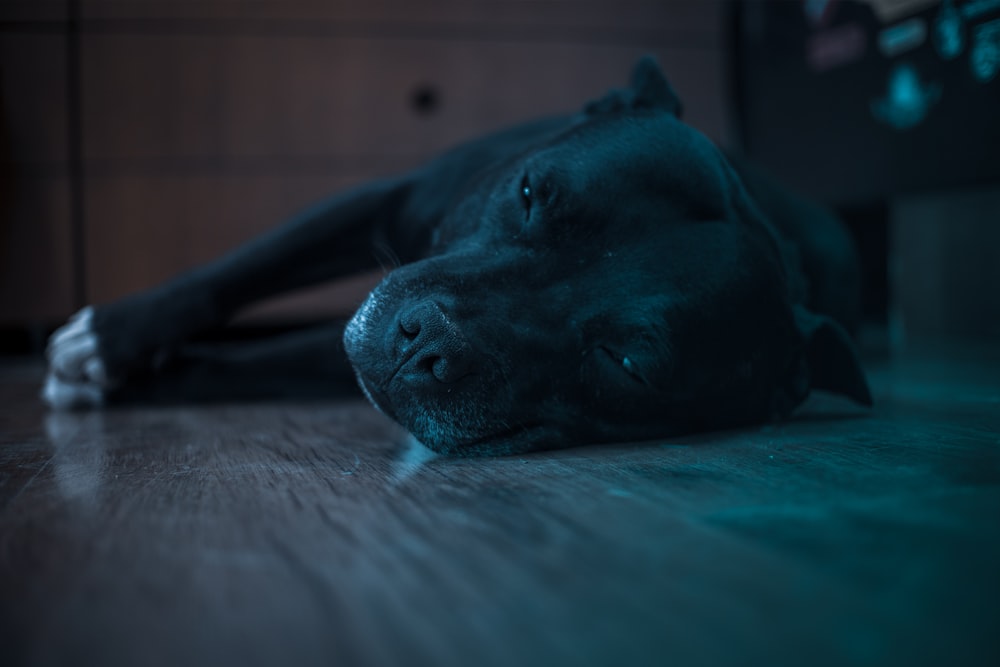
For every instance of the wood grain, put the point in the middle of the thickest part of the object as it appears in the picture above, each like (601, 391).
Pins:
(35, 257)
(205, 123)
(677, 17)
(209, 97)
(314, 534)
(188, 107)
(33, 10)
(36, 260)
(194, 143)
(145, 228)
(33, 104)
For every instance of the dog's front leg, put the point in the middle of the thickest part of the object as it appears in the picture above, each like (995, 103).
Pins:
(306, 364)
(102, 346)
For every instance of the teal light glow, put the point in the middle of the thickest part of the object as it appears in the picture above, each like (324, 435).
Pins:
(907, 99)
(902, 37)
(985, 56)
(949, 37)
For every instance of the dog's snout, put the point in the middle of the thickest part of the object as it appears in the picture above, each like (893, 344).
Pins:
(431, 346)
(412, 322)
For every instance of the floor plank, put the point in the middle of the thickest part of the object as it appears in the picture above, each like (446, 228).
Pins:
(316, 534)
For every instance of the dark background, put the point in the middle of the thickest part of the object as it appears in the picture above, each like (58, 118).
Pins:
(139, 137)
(921, 199)
(142, 137)
(795, 109)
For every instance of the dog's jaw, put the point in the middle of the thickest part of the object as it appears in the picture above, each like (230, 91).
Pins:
(356, 334)
(366, 391)
(366, 347)
(460, 418)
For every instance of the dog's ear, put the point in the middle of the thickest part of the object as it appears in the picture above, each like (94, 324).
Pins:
(651, 88)
(648, 89)
(830, 357)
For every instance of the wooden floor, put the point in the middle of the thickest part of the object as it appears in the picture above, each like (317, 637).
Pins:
(314, 534)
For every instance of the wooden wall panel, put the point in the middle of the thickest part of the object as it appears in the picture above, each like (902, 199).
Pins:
(33, 10)
(597, 19)
(145, 228)
(33, 120)
(946, 277)
(36, 259)
(207, 122)
(174, 96)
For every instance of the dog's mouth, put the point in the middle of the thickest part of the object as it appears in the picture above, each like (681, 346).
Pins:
(507, 440)
(517, 439)
(443, 431)
(375, 396)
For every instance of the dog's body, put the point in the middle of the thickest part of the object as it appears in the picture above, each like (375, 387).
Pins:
(601, 277)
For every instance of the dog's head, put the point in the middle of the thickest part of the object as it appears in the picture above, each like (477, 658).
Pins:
(613, 282)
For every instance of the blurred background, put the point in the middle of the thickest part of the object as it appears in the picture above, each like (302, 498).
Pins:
(139, 138)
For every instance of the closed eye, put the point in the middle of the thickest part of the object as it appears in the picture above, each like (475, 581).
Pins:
(527, 195)
(625, 363)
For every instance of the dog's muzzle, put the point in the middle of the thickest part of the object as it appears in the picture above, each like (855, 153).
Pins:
(417, 350)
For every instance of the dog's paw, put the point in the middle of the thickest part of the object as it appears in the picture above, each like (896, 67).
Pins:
(77, 376)
(63, 395)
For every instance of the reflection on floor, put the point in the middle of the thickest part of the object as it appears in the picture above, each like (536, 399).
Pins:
(316, 534)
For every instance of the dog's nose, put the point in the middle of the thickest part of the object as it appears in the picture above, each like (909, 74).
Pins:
(431, 346)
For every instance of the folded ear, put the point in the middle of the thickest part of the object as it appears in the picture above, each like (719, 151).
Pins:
(830, 357)
(652, 89)
(648, 89)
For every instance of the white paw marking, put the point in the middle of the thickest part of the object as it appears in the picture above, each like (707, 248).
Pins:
(77, 375)
(63, 395)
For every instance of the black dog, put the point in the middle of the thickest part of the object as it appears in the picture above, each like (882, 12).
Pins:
(605, 276)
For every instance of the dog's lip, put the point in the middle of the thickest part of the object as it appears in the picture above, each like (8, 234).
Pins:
(376, 396)
(495, 443)
(499, 442)
(409, 354)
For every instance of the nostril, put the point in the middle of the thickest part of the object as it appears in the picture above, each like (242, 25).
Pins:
(428, 364)
(451, 368)
(429, 347)
(409, 334)
(443, 370)
(409, 327)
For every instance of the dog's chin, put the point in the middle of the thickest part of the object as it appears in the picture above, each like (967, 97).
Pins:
(369, 392)
(505, 442)
(502, 443)
(462, 432)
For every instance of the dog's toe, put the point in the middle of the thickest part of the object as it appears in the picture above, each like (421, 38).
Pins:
(70, 359)
(95, 371)
(81, 324)
(61, 394)
(77, 375)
